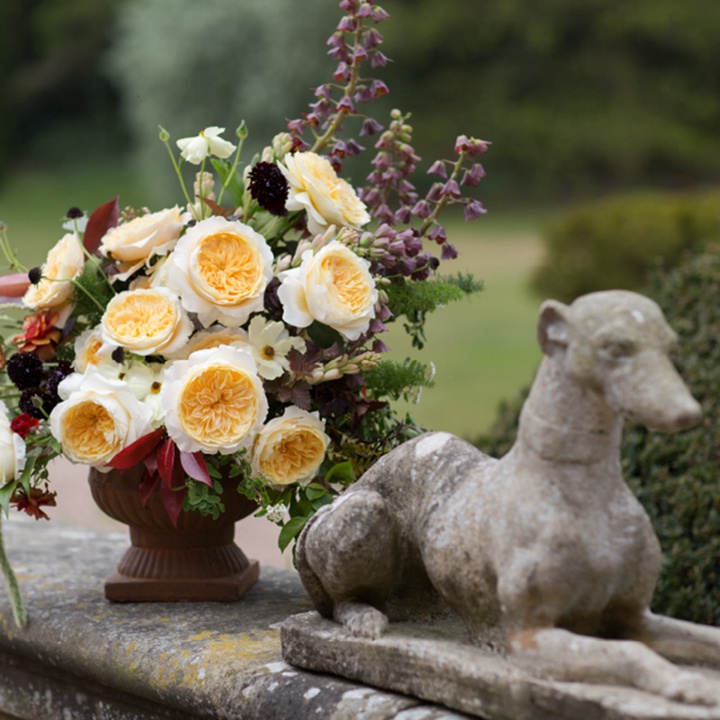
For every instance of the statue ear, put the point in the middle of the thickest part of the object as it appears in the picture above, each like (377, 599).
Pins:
(552, 327)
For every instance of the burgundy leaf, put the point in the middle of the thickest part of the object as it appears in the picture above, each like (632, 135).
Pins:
(172, 501)
(138, 451)
(216, 209)
(101, 220)
(166, 462)
(195, 467)
(147, 485)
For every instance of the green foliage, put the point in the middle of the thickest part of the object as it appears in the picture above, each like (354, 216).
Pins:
(395, 380)
(616, 242)
(92, 293)
(675, 476)
(415, 300)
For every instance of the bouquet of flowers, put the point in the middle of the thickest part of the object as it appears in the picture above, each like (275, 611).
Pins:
(240, 335)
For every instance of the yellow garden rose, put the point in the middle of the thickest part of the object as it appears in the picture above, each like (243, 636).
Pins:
(214, 401)
(90, 349)
(315, 187)
(214, 337)
(146, 322)
(133, 242)
(220, 269)
(64, 263)
(290, 448)
(98, 419)
(334, 287)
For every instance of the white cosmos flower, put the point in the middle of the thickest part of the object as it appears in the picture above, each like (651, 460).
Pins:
(271, 342)
(220, 270)
(12, 449)
(208, 142)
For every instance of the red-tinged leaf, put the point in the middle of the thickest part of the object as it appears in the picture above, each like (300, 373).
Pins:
(137, 452)
(102, 219)
(148, 483)
(172, 501)
(217, 209)
(195, 467)
(15, 285)
(166, 462)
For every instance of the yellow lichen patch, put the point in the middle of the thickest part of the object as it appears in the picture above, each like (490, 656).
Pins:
(228, 268)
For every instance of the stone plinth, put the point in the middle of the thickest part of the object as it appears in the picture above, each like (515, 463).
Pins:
(83, 657)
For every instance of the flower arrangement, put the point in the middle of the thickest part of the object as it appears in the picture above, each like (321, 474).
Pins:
(240, 335)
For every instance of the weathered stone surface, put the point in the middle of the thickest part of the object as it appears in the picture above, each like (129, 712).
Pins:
(546, 549)
(83, 657)
(432, 661)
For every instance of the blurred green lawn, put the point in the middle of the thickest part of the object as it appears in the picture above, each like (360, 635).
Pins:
(483, 347)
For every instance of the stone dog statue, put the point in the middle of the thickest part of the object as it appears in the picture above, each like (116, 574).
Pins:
(546, 547)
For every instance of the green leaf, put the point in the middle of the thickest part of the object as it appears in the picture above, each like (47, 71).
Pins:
(314, 491)
(6, 492)
(291, 530)
(235, 187)
(342, 473)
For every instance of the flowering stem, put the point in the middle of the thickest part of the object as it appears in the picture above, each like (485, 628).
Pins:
(7, 251)
(18, 609)
(178, 172)
(430, 219)
(77, 285)
(322, 142)
(233, 169)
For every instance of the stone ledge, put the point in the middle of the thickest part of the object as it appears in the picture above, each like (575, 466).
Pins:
(82, 657)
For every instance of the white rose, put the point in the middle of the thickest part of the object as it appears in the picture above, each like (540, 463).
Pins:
(64, 263)
(98, 419)
(334, 287)
(12, 449)
(146, 322)
(220, 269)
(214, 401)
(315, 187)
(290, 448)
(133, 242)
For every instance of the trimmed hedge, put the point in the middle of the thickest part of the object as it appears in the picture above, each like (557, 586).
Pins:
(676, 477)
(616, 242)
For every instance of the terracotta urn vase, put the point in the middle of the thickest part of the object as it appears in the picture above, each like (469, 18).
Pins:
(197, 560)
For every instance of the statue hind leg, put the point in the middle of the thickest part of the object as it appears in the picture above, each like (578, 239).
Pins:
(348, 561)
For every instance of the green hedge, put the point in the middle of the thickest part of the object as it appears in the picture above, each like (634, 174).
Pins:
(676, 477)
(616, 242)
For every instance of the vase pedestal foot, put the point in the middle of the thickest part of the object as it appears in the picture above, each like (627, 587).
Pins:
(124, 588)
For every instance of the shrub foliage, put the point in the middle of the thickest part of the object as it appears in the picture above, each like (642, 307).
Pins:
(615, 243)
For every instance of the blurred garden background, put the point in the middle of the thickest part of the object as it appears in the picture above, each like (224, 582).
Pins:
(604, 118)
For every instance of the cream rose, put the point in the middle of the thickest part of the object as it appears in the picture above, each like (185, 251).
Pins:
(146, 322)
(12, 449)
(334, 287)
(99, 418)
(220, 269)
(214, 401)
(214, 337)
(290, 448)
(315, 187)
(133, 242)
(64, 263)
(90, 349)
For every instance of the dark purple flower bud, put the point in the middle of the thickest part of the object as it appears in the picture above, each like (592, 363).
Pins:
(472, 177)
(372, 39)
(363, 95)
(347, 24)
(384, 313)
(449, 251)
(118, 355)
(385, 231)
(376, 326)
(435, 193)
(354, 147)
(24, 370)
(35, 275)
(384, 214)
(438, 168)
(74, 213)
(403, 215)
(378, 59)
(378, 15)
(407, 266)
(378, 88)
(396, 248)
(413, 245)
(473, 210)
(345, 104)
(422, 209)
(451, 189)
(31, 403)
(379, 346)
(370, 196)
(370, 127)
(438, 234)
(342, 72)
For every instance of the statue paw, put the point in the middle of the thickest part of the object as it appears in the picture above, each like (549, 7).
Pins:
(361, 620)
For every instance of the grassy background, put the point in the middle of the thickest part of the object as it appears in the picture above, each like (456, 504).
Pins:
(483, 348)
